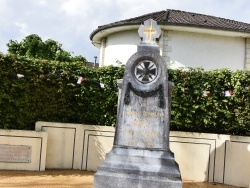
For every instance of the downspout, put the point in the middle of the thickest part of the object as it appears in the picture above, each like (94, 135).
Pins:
(247, 54)
(102, 52)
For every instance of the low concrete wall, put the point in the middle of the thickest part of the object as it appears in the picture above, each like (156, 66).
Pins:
(71, 146)
(214, 158)
(201, 157)
(23, 150)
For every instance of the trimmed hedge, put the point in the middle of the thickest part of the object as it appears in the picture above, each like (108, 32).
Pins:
(214, 113)
(49, 92)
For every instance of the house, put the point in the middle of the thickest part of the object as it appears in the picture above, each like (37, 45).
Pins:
(188, 39)
(92, 65)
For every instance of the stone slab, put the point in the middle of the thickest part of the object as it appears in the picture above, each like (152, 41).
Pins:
(15, 153)
(138, 168)
(122, 180)
(16, 145)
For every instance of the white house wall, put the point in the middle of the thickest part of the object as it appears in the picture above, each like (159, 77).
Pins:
(207, 51)
(190, 49)
(120, 46)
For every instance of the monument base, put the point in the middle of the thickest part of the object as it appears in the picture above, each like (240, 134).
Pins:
(127, 168)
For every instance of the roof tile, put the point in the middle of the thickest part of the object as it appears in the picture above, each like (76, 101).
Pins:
(181, 18)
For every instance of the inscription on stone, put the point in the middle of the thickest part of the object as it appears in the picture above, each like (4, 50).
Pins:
(15, 153)
(141, 123)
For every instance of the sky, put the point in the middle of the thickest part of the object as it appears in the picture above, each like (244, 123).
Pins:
(70, 22)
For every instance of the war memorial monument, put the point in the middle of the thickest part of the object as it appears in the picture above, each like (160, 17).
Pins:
(141, 156)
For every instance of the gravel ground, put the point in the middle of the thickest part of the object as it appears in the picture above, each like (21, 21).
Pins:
(66, 178)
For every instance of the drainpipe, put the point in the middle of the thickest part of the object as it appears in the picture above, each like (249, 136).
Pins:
(102, 52)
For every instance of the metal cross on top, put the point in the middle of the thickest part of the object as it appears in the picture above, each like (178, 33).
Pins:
(149, 32)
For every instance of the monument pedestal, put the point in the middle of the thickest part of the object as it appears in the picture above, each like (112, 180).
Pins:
(141, 156)
(128, 168)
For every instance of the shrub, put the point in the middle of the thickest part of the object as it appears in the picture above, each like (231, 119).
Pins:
(194, 111)
(49, 92)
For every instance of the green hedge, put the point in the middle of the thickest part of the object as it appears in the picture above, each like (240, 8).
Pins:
(215, 113)
(49, 92)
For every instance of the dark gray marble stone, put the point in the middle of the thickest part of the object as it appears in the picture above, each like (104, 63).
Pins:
(141, 156)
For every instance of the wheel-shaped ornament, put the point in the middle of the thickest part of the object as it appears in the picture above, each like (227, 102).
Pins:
(146, 71)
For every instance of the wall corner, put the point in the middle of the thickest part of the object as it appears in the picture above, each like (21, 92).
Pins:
(247, 54)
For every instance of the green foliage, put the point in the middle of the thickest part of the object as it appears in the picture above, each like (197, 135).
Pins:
(34, 47)
(215, 113)
(49, 92)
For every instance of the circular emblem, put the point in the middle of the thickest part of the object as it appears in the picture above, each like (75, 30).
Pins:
(146, 71)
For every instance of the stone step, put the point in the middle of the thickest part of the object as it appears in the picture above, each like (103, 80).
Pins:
(141, 169)
(142, 153)
(121, 180)
(141, 160)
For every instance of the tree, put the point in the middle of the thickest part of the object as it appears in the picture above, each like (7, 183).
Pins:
(34, 47)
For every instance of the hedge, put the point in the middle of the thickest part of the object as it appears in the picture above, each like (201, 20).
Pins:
(48, 91)
(215, 112)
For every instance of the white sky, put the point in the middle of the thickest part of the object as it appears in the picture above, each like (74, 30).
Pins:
(70, 22)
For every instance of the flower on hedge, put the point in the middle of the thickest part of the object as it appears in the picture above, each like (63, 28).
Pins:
(206, 93)
(80, 80)
(20, 75)
(228, 93)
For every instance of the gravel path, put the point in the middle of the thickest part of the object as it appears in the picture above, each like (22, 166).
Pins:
(66, 178)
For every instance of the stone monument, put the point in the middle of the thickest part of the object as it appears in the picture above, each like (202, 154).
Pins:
(140, 156)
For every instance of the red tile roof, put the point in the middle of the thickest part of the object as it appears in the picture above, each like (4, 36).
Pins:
(181, 18)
